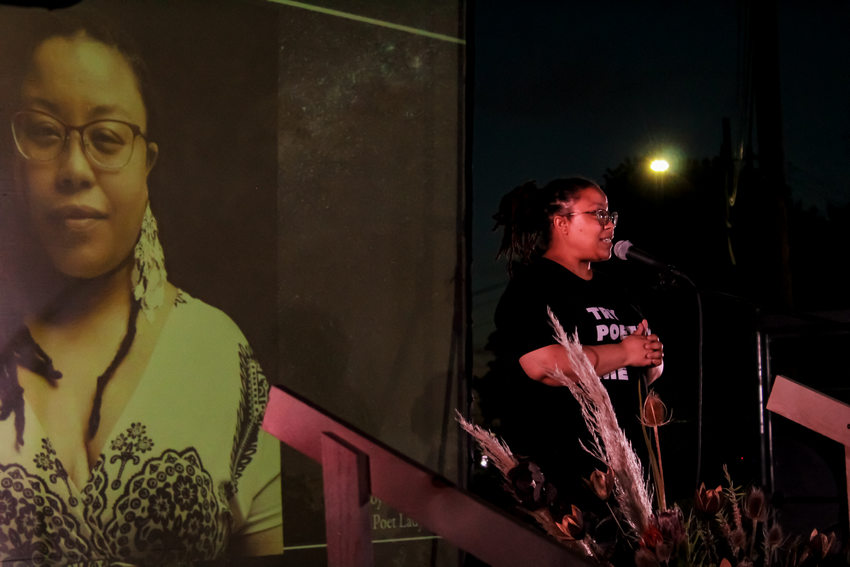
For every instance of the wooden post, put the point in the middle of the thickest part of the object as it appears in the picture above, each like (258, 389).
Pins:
(345, 475)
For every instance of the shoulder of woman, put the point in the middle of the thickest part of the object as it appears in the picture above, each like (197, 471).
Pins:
(532, 273)
(201, 318)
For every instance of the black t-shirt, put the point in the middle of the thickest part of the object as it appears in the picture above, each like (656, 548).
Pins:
(543, 422)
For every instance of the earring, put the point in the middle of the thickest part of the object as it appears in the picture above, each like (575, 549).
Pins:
(148, 276)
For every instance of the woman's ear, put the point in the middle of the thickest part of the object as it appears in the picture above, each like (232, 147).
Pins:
(560, 223)
(153, 153)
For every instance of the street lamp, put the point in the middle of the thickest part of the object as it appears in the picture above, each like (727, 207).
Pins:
(659, 165)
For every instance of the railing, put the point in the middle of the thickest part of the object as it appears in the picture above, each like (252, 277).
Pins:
(355, 466)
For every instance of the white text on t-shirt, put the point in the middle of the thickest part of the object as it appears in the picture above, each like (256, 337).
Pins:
(609, 328)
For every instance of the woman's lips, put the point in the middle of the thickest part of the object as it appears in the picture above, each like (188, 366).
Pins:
(76, 217)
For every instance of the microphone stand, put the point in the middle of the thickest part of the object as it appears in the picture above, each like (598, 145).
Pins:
(698, 297)
(673, 274)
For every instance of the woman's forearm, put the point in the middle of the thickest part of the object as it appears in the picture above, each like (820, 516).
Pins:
(540, 364)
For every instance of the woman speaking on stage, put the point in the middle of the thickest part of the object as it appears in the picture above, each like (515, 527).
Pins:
(555, 239)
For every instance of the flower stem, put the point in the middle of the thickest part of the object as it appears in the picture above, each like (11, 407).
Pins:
(755, 532)
(661, 499)
(653, 464)
(708, 539)
(622, 531)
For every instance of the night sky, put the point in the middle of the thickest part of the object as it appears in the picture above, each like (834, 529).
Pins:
(563, 88)
(576, 88)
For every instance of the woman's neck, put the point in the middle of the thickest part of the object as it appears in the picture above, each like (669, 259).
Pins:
(580, 268)
(77, 301)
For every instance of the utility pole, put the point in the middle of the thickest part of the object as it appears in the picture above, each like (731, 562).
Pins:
(772, 192)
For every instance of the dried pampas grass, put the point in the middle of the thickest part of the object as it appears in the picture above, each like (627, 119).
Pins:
(608, 442)
(496, 450)
(500, 455)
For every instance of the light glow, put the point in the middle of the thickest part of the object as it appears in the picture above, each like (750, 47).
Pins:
(659, 165)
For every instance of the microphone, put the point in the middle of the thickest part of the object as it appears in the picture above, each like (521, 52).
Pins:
(625, 250)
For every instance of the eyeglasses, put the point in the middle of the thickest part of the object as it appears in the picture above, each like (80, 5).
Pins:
(108, 144)
(603, 216)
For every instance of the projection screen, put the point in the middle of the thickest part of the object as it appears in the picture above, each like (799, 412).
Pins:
(310, 184)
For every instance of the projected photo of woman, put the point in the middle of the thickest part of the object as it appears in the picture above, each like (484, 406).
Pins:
(130, 411)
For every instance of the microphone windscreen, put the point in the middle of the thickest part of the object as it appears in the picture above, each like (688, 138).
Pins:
(621, 248)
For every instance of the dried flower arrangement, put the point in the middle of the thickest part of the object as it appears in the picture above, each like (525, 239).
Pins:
(726, 526)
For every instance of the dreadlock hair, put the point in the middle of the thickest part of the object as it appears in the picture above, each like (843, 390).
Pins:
(525, 215)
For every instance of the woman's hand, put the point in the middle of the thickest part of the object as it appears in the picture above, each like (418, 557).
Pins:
(642, 349)
(653, 347)
(653, 352)
(639, 349)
